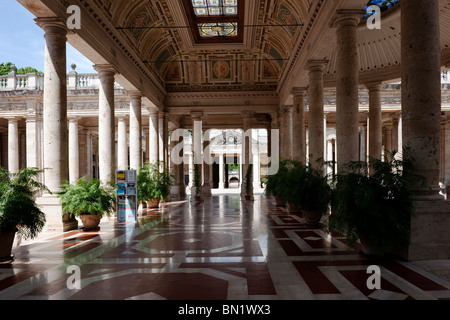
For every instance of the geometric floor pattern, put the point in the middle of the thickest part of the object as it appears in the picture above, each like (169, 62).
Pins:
(220, 249)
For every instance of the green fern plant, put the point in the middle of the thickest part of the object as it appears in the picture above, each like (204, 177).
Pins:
(87, 197)
(18, 209)
(154, 181)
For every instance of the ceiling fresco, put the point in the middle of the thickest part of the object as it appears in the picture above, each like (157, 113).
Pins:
(185, 64)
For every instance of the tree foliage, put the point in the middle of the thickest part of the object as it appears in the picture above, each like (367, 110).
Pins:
(5, 68)
(18, 209)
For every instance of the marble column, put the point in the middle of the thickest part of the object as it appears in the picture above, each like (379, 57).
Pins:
(288, 126)
(74, 158)
(446, 143)
(106, 123)
(122, 142)
(55, 103)
(282, 133)
(387, 141)
(421, 86)
(135, 130)
(207, 165)
(221, 172)
(174, 168)
(196, 146)
(32, 145)
(421, 116)
(153, 137)
(316, 114)
(247, 156)
(13, 145)
(347, 98)
(375, 121)
(298, 120)
(55, 132)
(256, 169)
(166, 137)
(394, 134)
(161, 136)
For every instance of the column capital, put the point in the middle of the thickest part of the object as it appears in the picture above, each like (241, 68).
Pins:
(52, 25)
(288, 109)
(347, 18)
(12, 119)
(105, 70)
(122, 117)
(316, 65)
(135, 94)
(153, 110)
(196, 115)
(374, 86)
(248, 114)
(73, 118)
(299, 91)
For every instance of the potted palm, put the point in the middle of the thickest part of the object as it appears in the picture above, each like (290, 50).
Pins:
(315, 196)
(275, 185)
(375, 208)
(19, 212)
(306, 190)
(154, 181)
(89, 200)
(290, 186)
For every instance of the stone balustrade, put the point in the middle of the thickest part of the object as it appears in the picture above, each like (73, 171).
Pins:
(34, 81)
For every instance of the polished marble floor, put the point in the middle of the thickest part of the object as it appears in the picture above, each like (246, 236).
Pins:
(219, 249)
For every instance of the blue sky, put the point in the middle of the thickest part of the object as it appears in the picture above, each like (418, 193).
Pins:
(22, 41)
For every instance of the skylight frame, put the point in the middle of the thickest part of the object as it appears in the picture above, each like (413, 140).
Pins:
(196, 20)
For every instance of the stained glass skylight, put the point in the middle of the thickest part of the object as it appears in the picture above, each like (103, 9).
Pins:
(211, 8)
(383, 4)
(214, 21)
(218, 29)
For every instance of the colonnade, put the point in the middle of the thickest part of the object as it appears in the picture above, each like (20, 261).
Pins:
(420, 118)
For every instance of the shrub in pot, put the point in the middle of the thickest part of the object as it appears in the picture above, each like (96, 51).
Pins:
(89, 200)
(375, 208)
(19, 212)
(307, 189)
(153, 183)
(275, 183)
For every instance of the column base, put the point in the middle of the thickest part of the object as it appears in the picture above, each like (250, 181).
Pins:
(174, 193)
(430, 236)
(56, 221)
(206, 191)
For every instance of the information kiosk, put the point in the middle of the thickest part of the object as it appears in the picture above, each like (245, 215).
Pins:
(126, 195)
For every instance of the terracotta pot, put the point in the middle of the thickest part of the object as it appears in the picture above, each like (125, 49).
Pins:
(279, 202)
(247, 197)
(90, 222)
(197, 198)
(395, 250)
(312, 218)
(294, 210)
(153, 203)
(6, 244)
